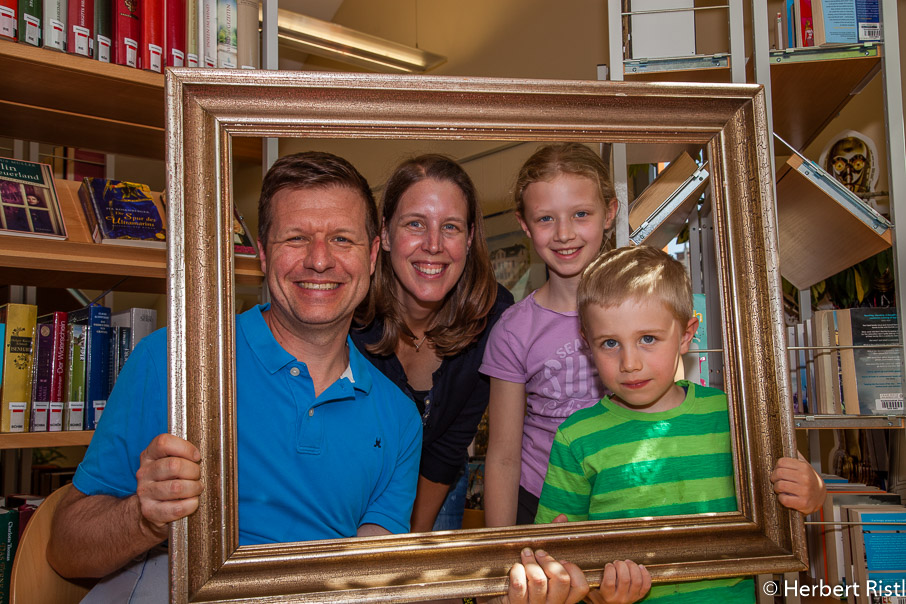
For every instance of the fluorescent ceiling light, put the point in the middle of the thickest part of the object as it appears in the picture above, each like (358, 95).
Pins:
(340, 43)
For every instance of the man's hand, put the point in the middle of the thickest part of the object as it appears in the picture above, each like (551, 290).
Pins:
(168, 482)
(797, 485)
(623, 582)
(539, 579)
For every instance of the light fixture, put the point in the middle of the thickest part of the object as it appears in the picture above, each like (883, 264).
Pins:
(340, 43)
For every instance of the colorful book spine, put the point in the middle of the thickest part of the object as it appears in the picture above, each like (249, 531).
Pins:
(208, 40)
(152, 56)
(175, 15)
(75, 374)
(9, 20)
(226, 33)
(248, 42)
(55, 417)
(54, 24)
(18, 360)
(192, 32)
(30, 22)
(122, 213)
(806, 25)
(80, 36)
(50, 352)
(9, 541)
(127, 31)
(97, 360)
(103, 30)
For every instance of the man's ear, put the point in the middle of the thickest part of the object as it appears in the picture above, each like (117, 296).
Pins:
(688, 334)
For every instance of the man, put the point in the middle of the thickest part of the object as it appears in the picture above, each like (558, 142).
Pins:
(307, 401)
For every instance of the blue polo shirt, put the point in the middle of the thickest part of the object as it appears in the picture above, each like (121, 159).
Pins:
(309, 467)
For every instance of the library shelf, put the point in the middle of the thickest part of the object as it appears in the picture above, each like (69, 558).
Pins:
(27, 440)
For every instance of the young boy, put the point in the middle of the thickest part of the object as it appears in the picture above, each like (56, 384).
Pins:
(654, 447)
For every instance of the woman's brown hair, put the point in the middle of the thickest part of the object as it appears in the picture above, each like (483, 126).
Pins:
(463, 314)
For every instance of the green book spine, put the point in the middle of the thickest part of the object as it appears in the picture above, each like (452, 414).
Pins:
(30, 22)
(103, 30)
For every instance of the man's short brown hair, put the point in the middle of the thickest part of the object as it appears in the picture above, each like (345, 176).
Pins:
(313, 170)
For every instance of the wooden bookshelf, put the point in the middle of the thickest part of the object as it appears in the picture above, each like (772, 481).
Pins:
(54, 97)
(79, 262)
(25, 440)
(810, 89)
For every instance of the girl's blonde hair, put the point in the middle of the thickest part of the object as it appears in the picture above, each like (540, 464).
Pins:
(555, 159)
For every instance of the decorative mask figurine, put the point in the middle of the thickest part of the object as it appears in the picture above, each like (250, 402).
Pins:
(851, 162)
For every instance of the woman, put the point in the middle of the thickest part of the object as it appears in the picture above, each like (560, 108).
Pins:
(432, 303)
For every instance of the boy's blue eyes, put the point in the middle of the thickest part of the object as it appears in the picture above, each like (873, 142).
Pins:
(614, 344)
(648, 339)
(610, 344)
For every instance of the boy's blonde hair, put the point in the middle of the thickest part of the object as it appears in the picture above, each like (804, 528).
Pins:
(641, 273)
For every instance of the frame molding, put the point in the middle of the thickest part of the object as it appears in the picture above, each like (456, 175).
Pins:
(207, 108)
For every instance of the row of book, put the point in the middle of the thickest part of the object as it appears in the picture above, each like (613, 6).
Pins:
(146, 34)
(847, 361)
(15, 512)
(805, 23)
(58, 369)
(863, 540)
(116, 212)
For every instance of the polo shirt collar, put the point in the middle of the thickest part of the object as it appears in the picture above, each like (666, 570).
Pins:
(274, 357)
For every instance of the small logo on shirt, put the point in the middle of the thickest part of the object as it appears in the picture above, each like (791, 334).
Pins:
(377, 443)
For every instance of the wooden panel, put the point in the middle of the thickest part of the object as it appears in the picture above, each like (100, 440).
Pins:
(45, 439)
(809, 94)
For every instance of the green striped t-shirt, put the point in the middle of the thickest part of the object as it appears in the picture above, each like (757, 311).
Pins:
(611, 462)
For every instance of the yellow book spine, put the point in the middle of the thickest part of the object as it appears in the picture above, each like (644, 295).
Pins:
(18, 360)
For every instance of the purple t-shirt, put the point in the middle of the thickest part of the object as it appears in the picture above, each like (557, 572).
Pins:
(542, 349)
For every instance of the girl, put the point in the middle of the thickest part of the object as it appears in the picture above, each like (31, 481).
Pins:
(540, 368)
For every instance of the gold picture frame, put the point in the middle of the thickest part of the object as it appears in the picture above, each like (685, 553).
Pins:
(206, 109)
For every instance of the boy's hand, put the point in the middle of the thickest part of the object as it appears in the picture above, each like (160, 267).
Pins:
(623, 582)
(797, 485)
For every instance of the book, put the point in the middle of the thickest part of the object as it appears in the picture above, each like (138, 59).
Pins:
(49, 366)
(152, 41)
(103, 30)
(833, 511)
(790, 12)
(18, 360)
(119, 350)
(192, 33)
(96, 320)
(868, 21)
(248, 42)
(226, 33)
(30, 22)
(816, 214)
(9, 541)
(662, 34)
(175, 35)
(805, 23)
(827, 363)
(75, 379)
(872, 378)
(127, 31)
(28, 200)
(54, 24)
(878, 552)
(9, 20)
(140, 321)
(207, 45)
(55, 417)
(243, 242)
(122, 213)
(838, 22)
(80, 35)
(659, 213)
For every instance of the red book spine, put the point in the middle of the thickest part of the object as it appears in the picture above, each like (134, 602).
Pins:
(80, 35)
(58, 360)
(806, 23)
(9, 18)
(176, 32)
(152, 57)
(127, 32)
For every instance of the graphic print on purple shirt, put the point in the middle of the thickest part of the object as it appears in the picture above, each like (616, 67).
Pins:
(544, 350)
